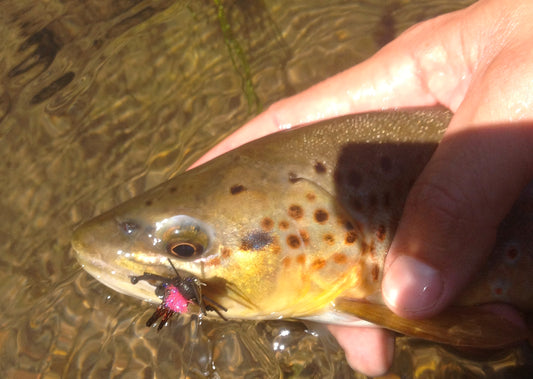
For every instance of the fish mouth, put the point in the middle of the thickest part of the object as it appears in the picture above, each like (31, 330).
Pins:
(117, 278)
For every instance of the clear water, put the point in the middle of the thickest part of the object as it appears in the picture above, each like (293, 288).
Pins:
(101, 100)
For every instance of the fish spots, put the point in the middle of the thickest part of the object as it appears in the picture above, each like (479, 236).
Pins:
(300, 259)
(293, 178)
(286, 262)
(375, 272)
(340, 258)
(381, 232)
(296, 212)
(213, 262)
(148, 202)
(318, 263)
(267, 224)
(320, 168)
(236, 189)
(321, 216)
(310, 196)
(512, 254)
(304, 236)
(350, 237)
(172, 189)
(256, 240)
(293, 241)
(225, 253)
(283, 225)
(499, 288)
(329, 239)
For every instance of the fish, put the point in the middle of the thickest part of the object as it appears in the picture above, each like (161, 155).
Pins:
(297, 225)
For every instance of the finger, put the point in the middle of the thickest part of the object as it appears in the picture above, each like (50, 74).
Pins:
(452, 215)
(368, 350)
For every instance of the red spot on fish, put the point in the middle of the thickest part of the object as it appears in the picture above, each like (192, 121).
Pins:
(512, 254)
(310, 196)
(318, 263)
(286, 262)
(214, 262)
(300, 259)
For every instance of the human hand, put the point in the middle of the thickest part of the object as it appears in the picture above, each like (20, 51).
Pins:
(479, 63)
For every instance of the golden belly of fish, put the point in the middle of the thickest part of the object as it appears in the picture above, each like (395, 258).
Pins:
(297, 224)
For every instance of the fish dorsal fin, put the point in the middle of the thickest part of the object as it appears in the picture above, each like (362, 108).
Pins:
(471, 327)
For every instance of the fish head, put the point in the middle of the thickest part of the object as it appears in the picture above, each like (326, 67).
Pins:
(240, 227)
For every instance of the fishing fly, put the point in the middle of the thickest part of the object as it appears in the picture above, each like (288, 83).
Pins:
(176, 294)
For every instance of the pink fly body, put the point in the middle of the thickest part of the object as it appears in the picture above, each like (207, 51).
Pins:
(175, 301)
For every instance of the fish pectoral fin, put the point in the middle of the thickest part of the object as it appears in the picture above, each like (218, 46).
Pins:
(473, 326)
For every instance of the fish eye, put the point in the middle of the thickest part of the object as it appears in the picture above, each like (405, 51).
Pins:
(184, 237)
(185, 249)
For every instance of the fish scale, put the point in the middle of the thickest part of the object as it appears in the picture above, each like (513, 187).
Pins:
(298, 224)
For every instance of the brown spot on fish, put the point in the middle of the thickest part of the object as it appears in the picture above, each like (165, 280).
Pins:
(321, 216)
(225, 253)
(348, 225)
(172, 189)
(320, 168)
(293, 178)
(318, 263)
(311, 196)
(300, 259)
(296, 212)
(375, 272)
(385, 163)
(305, 236)
(329, 239)
(236, 189)
(350, 237)
(148, 202)
(293, 241)
(286, 262)
(340, 258)
(267, 224)
(284, 225)
(255, 240)
(381, 232)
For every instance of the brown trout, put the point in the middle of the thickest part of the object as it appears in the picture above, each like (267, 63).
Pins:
(297, 224)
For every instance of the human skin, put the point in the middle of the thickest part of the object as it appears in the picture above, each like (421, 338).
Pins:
(478, 62)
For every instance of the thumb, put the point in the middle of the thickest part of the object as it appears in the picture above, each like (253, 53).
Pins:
(452, 214)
